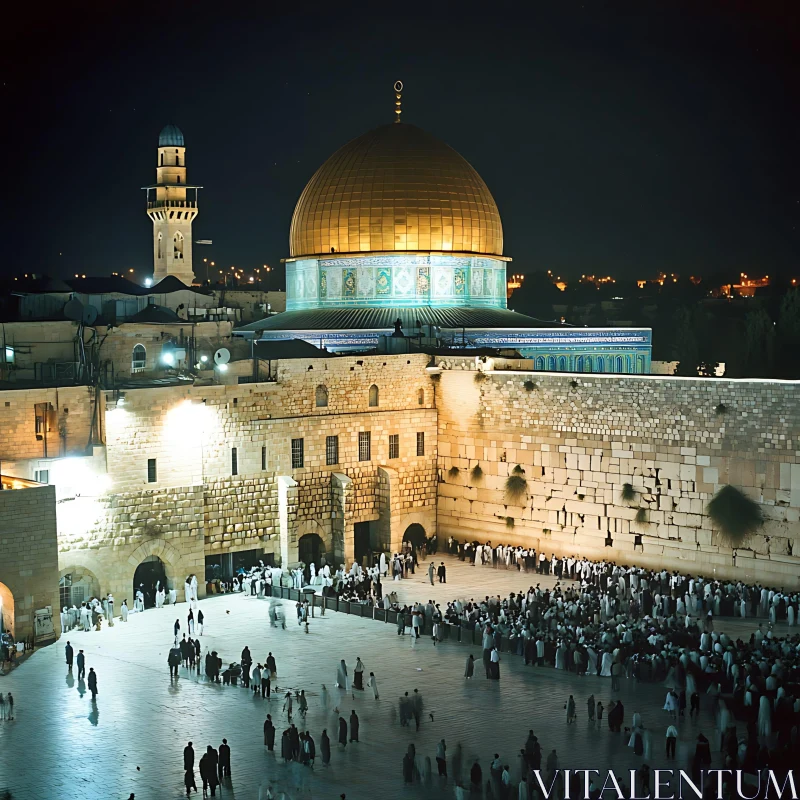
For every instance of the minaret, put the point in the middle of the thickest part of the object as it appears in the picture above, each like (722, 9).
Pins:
(172, 206)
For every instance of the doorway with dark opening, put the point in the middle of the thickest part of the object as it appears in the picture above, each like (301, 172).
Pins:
(414, 538)
(149, 573)
(362, 548)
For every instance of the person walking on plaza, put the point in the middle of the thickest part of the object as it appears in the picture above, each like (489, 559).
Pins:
(255, 679)
(373, 684)
(91, 681)
(287, 706)
(570, 707)
(190, 622)
(470, 668)
(441, 758)
(265, 684)
(10, 706)
(124, 610)
(200, 619)
(68, 652)
(431, 570)
(81, 659)
(269, 734)
(342, 732)
(354, 726)
(672, 740)
(416, 707)
(174, 661)
(590, 707)
(302, 703)
(325, 747)
(188, 781)
(208, 771)
(224, 760)
(442, 573)
(246, 662)
(272, 667)
(358, 674)
(2, 706)
(188, 768)
(177, 630)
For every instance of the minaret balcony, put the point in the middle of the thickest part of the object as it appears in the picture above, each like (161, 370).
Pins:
(172, 204)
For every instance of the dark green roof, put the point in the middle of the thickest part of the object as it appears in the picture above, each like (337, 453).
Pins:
(170, 136)
(360, 318)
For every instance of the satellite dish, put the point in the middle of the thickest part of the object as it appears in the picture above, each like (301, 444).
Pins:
(89, 315)
(222, 356)
(74, 310)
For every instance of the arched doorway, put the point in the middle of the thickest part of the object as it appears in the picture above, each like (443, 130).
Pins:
(414, 537)
(76, 585)
(147, 574)
(6, 610)
(311, 549)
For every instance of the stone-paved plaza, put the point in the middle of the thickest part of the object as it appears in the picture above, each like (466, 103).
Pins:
(60, 745)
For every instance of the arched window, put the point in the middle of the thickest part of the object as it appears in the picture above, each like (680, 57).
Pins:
(162, 160)
(160, 238)
(562, 364)
(619, 363)
(539, 363)
(138, 358)
(579, 364)
(179, 178)
(551, 363)
(177, 245)
(601, 364)
(322, 397)
(373, 396)
(421, 397)
(588, 364)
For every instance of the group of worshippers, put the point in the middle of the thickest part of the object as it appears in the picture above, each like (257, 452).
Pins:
(90, 615)
(215, 766)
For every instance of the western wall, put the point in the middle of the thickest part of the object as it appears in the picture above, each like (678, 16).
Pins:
(580, 438)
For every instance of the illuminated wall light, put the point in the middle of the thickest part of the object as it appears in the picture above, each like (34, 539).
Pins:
(148, 282)
(168, 359)
(222, 367)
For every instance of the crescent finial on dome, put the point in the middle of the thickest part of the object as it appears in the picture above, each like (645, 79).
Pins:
(398, 98)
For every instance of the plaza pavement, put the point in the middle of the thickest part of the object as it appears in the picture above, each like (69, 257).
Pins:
(59, 746)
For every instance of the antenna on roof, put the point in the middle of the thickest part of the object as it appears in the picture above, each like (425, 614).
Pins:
(398, 99)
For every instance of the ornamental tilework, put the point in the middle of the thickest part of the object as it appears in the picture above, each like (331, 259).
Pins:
(348, 283)
(423, 280)
(384, 283)
(476, 283)
(403, 281)
(334, 283)
(459, 280)
(442, 282)
(366, 281)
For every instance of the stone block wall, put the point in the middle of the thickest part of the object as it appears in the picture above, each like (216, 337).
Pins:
(580, 439)
(28, 557)
(68, 422)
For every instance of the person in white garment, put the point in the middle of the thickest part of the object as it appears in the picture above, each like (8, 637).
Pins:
(138, 603)
(124, 610)
(194, 588)
(110, 600)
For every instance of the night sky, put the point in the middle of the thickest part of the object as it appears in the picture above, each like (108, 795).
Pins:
(615, 137)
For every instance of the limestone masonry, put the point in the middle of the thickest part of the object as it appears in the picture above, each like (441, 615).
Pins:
(338, 457)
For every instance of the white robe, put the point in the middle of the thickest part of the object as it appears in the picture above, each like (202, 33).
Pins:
(764, 717)
(605, 669)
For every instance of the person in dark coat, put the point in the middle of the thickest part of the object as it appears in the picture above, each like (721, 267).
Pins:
(476, 776)
(92, 683)
(294, 738)
(286, 746)
(269, 733)
(68, 652)
(174, 661)
(408, 768)
(247, 662)
(224, 760)
(342, 731)
(81, 660)
(325, 747)
(188, 757)
(354, 726)
(208, 770)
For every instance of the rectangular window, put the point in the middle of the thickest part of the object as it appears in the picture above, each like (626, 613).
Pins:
(42, 476)
(234, 461)
(151, 470)
(331, 450)
(263, 458)
(297, 453)
(394, 445)
(364, 446)
(420, 443)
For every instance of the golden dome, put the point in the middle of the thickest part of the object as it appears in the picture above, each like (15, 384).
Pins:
(396, 188)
